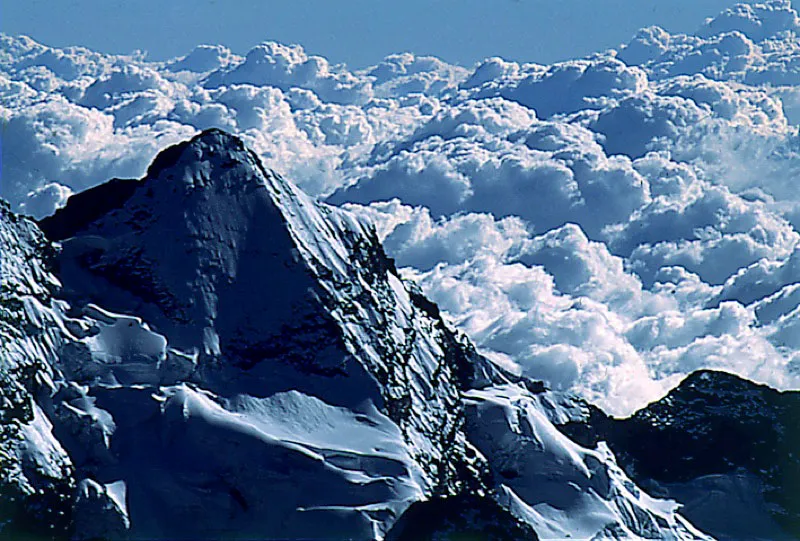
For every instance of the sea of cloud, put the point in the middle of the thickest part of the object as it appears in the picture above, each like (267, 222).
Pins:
(606, 224)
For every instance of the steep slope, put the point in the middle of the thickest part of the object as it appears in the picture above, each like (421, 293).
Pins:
(563, 489)
(299, 345)
(35, 471)
(725, 447)
(221, 356)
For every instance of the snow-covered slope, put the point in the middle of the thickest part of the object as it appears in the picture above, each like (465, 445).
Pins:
(35, 470)
(309, 357)
(564, 490)
(228, 357)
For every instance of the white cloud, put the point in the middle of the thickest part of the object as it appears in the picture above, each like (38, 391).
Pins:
(566, 87)
(582, 268)
(750, 42)
(57, 141)
(415, 239)
(403, 74)
(608, 224)
(287, 66)
(494, 156)
(68, 64)
(121, 83)
(762, 279)
(46, 200)
(204, 59)
(709, 232)
(570, 343)
(759, 21)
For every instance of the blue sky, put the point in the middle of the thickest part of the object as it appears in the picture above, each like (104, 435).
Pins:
(358, 32)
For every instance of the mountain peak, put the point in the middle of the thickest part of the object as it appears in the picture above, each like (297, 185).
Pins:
(250, 361)
(267, 300)
(201, 160)
(206, 222)
(211, 140)
(195, 163)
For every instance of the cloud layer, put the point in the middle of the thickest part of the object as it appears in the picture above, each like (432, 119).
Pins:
(607, 224)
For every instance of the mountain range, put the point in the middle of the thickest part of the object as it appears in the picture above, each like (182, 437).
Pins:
(207, 352)
(265, 295)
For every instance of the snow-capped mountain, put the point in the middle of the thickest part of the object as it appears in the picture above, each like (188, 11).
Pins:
(534, 302)
(208, 352)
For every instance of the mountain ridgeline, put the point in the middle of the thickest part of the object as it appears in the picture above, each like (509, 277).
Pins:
(209, 353)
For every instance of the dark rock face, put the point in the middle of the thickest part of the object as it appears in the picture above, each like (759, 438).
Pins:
(465, 517)
(88, 206)
(712, 430)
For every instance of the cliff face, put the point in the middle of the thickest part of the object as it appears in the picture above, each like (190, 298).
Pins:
(36, 474)
(214, 354)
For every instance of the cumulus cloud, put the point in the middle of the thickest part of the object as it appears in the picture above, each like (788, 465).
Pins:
(567, 324)
(404, 74)
(606, 224)
(762, 279)
(582, 268)
(708, 231)
(562, 308)
(758, 21)
(416, 239)
(566, 87)
(494, 156)
(308, 141)
(57, 141)
(121, 84)
(571, 343)
(204, 59)
(285, 67)
(46, 200)
(754, 43)
(18, 54)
